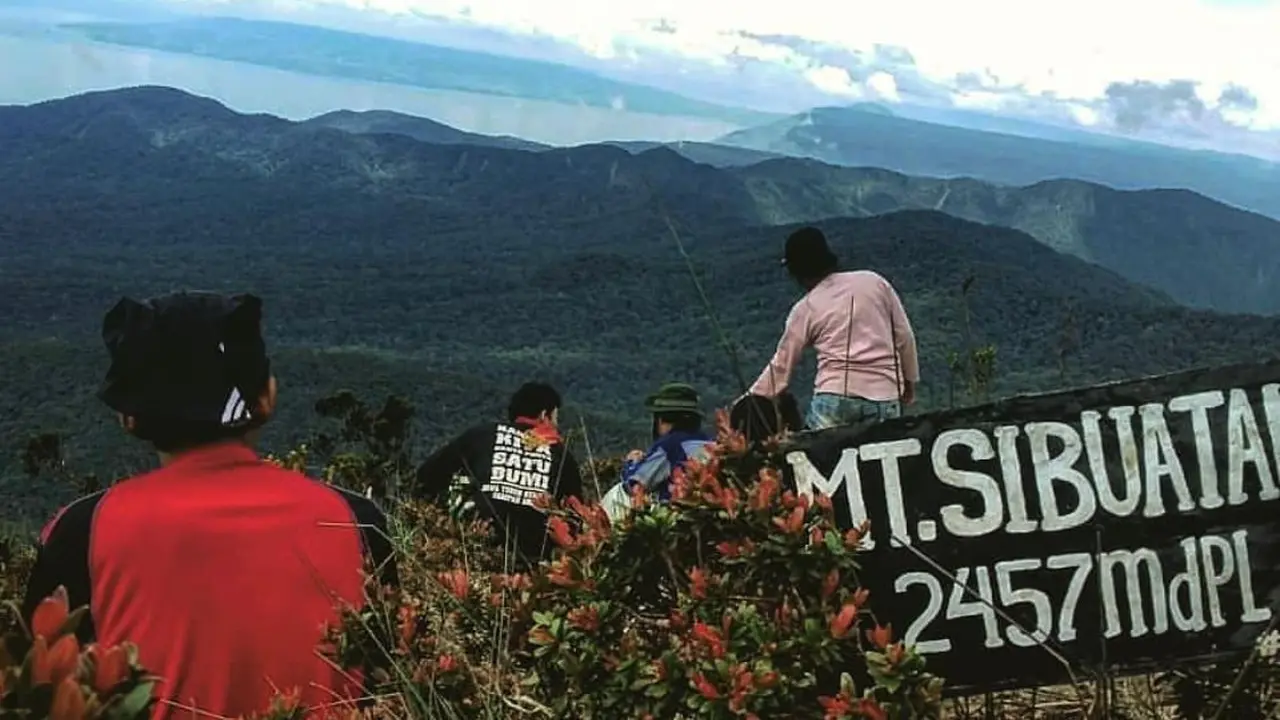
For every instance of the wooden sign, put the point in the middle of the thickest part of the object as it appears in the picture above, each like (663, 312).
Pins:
(1137, 522)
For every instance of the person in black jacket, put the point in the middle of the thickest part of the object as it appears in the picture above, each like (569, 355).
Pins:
(508, 465)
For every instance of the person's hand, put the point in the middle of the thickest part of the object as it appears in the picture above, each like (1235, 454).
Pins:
(635, 456)
(909, 394)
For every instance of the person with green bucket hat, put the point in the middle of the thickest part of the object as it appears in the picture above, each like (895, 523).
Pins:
(677, 437)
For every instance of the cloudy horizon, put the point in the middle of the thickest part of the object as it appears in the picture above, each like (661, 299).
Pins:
(1196, 73)
(1191, 73)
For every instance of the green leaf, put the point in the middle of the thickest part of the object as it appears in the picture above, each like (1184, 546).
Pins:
(133, 705)
(72, 622)
(834, 542)
(846, 684)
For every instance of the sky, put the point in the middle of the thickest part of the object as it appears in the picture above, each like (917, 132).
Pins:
(1198, 72)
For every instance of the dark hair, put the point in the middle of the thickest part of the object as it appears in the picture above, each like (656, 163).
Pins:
(531, 400)
(759, 418)
(169, 436)
(808, 257)
(680, 421)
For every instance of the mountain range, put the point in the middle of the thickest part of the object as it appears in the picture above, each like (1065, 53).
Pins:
(876, 137)
(563, 103)
(1199, 252)
(451, 272)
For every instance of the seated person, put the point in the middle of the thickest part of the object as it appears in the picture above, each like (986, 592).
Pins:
(677, 437)
(508, 465)
(221, 567)
(759, 418)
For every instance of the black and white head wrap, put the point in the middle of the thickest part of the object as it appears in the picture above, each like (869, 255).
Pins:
(197, 359)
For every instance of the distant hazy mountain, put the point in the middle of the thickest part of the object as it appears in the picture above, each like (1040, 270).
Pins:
(334, 53)
(1201, 252)
(1198, 251)
(854, 137)
(702, 152)
(371, 122)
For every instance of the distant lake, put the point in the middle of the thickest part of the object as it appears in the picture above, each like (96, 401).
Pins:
(37, 66)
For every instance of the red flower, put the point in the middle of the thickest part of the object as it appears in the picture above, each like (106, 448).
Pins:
(593, 515)
(727, 499)
(830, 584)
(561, 534)
(49, 665)
(561, 573)
(640, 497)
(728, 438)
(68, 701)
(456, 582)
(541, 432)
(586, 619)
(698, 583)
(783, 614)
(50, 614)
(860, 597)
(517, 581)
(823, 501)
(843, 620)
(881, 636)
(679, 484)
(728, 549)
(837, 708)
(853, 537)
(408, 625)
(705, 688)
(765, 490)
(709, 638)
(446, 663)
(678, 621)
(816, 536)
(871, 709)
(110, 667)
(793, 523)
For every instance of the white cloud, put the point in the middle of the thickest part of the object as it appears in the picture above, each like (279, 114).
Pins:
(1070, 52)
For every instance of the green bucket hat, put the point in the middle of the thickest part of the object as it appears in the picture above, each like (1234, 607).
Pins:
(674, 397)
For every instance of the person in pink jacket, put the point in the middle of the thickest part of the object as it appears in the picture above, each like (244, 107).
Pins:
(854, 320)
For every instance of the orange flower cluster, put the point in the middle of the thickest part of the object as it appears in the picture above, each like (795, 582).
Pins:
(541, 433)
(82, 678)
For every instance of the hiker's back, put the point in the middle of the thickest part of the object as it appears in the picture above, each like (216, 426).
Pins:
(853, 335)
(224, 570)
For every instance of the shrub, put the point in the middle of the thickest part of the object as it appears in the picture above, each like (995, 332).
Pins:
(738, 599)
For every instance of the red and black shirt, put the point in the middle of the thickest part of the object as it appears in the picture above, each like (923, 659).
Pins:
(224, 570)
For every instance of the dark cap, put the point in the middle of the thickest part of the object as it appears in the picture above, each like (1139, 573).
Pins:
(191, 358)
(807, 250)
(674, 398)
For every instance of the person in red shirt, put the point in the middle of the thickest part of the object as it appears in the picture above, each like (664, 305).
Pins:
(222, 568)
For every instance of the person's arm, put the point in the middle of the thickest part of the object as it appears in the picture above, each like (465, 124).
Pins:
(795, 336)
(62, 558)
(651, 472)
(435, 474)
(906, 343)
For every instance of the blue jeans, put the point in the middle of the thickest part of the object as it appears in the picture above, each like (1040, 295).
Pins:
(827, 410)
